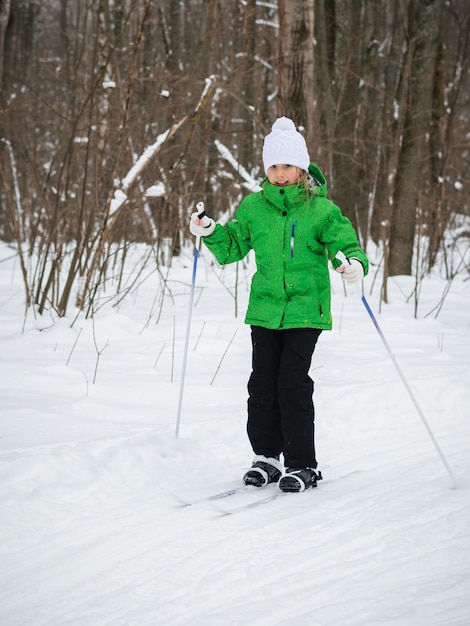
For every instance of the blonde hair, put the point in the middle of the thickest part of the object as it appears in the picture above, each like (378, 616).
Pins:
(304, 179)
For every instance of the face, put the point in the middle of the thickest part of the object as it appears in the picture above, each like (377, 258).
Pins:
(283, 174)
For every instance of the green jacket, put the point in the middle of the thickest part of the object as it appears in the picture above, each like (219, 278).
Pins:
(292, 238)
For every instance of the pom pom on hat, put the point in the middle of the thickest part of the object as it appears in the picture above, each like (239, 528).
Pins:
(285, 144)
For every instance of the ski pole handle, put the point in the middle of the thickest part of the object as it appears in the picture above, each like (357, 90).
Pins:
(346, 262)
(343, 258)
(200, 210)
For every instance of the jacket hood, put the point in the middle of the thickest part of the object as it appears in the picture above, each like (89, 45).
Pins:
(321, 186)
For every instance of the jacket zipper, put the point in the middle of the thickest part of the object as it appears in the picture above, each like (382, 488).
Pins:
(292, 233)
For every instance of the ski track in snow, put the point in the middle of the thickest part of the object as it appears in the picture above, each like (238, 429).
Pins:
(92, 531)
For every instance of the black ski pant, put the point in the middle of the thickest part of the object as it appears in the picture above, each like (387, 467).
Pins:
(280, 395)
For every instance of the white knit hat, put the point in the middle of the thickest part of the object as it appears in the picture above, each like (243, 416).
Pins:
(285, 144)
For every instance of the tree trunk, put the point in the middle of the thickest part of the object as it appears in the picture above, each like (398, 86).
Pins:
(295, 71)
(414, 158)
(346, 176)
(4, 17)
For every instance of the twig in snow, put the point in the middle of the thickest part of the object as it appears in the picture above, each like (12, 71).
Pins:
(223, 356)
(341, 318)
(173, 351)
(86, 381)
(200, 335)
(98, 352)
(73, 347)
(440, 341)
(159, 355)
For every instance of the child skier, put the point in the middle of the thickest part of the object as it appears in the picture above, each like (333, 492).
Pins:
(293, 229)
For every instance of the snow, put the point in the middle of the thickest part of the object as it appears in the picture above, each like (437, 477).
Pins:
(144, 159)
(155, 191)
(91, 531)
(250, 183)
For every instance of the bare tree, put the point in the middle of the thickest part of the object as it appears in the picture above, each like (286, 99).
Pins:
(5, 6)
(414, 158)
(116, 117)
(295, 66)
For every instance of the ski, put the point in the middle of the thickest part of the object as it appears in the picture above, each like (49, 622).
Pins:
(253, 504)
(261, 501)
(266, 500)
(221, 495)
(244, 489)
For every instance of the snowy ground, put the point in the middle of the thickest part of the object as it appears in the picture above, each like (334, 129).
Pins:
(90, 529)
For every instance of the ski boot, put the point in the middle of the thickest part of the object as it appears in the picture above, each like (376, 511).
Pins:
(299, 479)
(264, 470)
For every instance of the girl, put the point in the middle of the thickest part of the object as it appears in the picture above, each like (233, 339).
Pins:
(293, 230)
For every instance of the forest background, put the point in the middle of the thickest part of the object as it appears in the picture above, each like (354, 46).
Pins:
(118, 116)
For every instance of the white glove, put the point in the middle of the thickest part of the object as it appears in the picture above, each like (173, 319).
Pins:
(353, 272)
(201, 226)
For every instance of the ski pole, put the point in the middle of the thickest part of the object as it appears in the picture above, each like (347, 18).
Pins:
(200, 214)
(342, 257)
